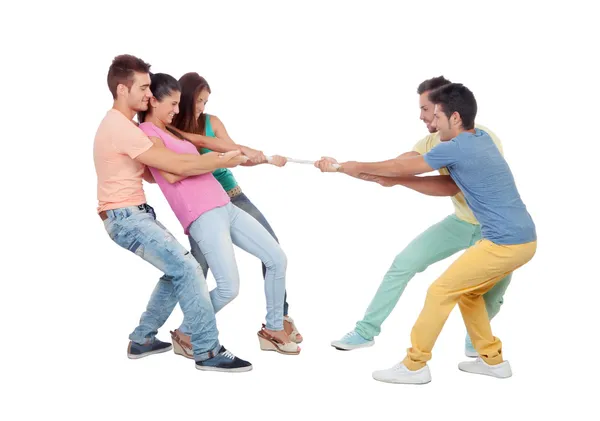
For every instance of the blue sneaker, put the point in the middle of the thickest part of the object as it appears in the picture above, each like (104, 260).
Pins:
(470, 349)
(224, 361)
(135, 350)
(352, 340)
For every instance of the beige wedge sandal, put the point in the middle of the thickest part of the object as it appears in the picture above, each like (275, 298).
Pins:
(295, 333)
(270, 343)
(180, 347)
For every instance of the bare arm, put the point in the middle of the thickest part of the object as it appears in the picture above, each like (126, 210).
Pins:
(170, 177)
(213, 143)
(436, 185)
(397, 167)
(256, 157)
(222, 142)
(430, 185)
(148, 176)
(188, 164)
(389, 181)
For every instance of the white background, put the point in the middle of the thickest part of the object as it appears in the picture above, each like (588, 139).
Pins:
(318, 78)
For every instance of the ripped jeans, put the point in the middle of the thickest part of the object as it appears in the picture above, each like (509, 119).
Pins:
(136, 229)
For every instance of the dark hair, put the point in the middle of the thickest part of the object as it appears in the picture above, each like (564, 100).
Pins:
(191, 86)
(162, 85)
(122, 70)
(455, 97)
(431, 84)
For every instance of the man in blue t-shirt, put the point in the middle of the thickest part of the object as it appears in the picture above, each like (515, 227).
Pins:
(508, 234)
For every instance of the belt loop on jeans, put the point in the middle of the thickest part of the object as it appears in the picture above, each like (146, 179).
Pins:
(144, 207)
(236, 191)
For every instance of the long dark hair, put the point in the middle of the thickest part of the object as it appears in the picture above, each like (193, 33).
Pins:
(161, 85)
(191, 86)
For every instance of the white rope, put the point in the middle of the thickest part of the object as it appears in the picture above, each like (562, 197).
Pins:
(301, 161)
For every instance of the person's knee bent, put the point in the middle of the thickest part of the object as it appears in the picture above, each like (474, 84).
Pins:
(408, 264)
(493, 304)
(182, 266)
(277, 260)
(441, 289)
(229, 292)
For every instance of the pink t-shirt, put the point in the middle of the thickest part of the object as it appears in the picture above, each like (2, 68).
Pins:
(117, 143)
(191, 197)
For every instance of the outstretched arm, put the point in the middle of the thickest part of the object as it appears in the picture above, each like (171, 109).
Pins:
(188, 164)
(213, 143)
(256, 157)
(439, 185)
(397, 167)
(435, 185)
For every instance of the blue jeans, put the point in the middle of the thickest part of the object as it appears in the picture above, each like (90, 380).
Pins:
(242, 202)
(136, 229)
(214, 233)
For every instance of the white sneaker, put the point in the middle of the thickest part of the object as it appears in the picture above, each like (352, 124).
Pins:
(400, 374)
(478, 366)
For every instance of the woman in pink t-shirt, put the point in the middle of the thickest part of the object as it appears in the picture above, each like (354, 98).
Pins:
(208, 217)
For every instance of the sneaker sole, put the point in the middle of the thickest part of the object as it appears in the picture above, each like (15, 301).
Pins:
(416, 382)
(487, 373)
(146, 354)
(224, 370)
(341, 347)
(400, 382)
(471, 354)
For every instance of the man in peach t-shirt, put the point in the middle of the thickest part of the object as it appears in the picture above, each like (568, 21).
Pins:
(121, 153)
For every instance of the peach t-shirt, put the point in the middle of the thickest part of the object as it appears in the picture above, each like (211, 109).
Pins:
(118, 142)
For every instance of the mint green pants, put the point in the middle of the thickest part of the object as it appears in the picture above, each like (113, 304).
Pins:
(438, 242)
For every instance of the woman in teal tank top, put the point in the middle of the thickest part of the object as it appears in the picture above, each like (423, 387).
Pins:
(208, 133)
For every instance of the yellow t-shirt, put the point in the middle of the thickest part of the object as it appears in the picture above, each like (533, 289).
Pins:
(461, 208)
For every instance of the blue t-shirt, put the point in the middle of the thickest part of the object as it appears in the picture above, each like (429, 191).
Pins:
(481, 172)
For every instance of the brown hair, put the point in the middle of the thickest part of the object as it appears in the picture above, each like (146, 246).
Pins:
(431, 84)
(121, 72)
(191, 86)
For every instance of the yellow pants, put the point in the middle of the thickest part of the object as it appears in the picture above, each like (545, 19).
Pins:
(464, 282)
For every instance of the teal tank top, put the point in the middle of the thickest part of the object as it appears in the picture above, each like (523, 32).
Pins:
(223, 175)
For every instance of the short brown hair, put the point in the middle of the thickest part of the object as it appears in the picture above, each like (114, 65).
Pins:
(431, 84)
(121, 71)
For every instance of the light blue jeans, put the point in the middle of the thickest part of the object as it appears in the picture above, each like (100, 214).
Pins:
(213, 235)
(136, 229)
(242, 202)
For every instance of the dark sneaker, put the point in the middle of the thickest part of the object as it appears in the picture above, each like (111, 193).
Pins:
(224, 361)
(135, 351)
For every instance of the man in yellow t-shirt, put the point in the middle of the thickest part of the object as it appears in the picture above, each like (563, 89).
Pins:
(455, 233)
